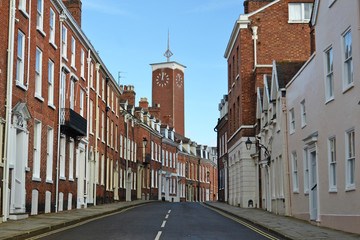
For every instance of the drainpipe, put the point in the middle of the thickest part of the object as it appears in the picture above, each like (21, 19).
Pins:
(288, 207)
(9, 79)
(97, 67)
(255, 37)
(87, 127)
(62, 18)
(29, 40)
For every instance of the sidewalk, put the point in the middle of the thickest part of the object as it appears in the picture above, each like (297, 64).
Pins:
(39, 224)
(286, 227)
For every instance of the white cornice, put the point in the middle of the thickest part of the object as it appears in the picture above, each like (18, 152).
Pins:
(172, 65)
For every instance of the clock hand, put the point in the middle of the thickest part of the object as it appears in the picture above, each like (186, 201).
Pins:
(162, 76)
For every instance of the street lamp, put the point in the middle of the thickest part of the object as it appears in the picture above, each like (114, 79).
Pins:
(248, 144)
(145, 141)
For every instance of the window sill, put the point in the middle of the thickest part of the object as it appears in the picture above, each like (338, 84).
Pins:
(350, 188)
(331, 3)
(38, 97)
(23, 11)
(83, 78)
(92, 134)
(21, 86)
(49, 181)
(92, 88)
(292, 132)
(348, 87)
(296, 191)
(71, 179)
(73, 67)
(333, 190)
(52, 106)
(329, 100)
(36, 179)
(65, 58)
(98, 138)
(41, 32)
(303, 126)
(27, 169)
(113, 111)
(53, 45)
(298, 21)
(62, 178)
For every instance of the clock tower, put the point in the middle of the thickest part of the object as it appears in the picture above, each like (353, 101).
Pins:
(168, 91)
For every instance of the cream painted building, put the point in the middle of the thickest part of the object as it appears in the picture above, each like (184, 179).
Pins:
(324, 121)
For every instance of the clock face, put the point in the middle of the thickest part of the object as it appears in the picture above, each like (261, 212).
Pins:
(162, 79)
(179, 80)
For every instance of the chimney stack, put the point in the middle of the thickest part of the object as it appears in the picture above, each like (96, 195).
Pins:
(74, 7)
(144, 104)
(129, 94)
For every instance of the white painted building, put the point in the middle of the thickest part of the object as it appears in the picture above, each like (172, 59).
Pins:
(323, 121)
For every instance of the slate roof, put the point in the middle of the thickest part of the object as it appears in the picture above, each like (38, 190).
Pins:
(286, 70)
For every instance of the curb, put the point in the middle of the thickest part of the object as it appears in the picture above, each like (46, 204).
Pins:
(50, 228)
(280, 234)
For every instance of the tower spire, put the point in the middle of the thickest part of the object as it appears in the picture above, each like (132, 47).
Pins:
(168, 53)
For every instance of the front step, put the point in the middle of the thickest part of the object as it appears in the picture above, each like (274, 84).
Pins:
(18, 216)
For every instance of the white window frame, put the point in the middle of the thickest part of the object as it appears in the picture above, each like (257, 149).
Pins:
(37, 150)
(350, 159)
(295, 174)
(20, 67)
(348, 62)
(82, 69)
(40, 15)
(302, 13)
(292, 120)
(72, 94)
(306, 170)
(73, 52)
(64, 42)
(51, 83)
(62, 160)
(71, 159)
(332, 164)
(52, 27)
(329, 74)
(303, 113)
(91, 74)
(38, 73)
(91, 112)
(22, 6)
(82, 102)
(49, 155)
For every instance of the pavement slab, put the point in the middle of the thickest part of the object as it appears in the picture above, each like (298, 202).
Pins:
(287, 227)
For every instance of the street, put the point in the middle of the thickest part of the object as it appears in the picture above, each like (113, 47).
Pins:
(164, 221)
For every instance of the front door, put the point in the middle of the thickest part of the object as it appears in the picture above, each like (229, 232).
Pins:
(268, 190)
(313, 187)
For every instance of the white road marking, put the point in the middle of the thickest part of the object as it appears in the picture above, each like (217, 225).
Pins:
(169, 211)
(167, 215)
(158, 235)
(163, 224)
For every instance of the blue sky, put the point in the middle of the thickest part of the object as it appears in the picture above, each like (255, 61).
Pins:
(129, 35)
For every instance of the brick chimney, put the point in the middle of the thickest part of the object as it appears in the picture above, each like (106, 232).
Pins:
(155, 110)
(129, 94)
(144, 104)
(74, 7)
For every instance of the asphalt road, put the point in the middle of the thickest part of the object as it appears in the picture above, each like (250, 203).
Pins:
(165, 221)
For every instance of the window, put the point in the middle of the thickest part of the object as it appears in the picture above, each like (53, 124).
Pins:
(64, 42)
(72, 95)
(300, 12)
(91, 116)
(49, 155)
(102, 169)
(295, 172)
(52, 27)
(170, 160)
(51, 83)
(121, 146)
(91, 75)
(332, 162)
(38, 73)
(306, 171)
(292, 120)
(103, 88)
(107, 131)
(116, 141)
(156, 156)
(20, 58)
(62, 157)
(350, 159)
(73, 49)
(82, 63)
(329, 82)
(348, 64)
(71, 160)
(152, 150)
(22, 5)
(303, 114)
(112, 135)
(102, 125)
(40, 13)
(37, 149)
(82, 103)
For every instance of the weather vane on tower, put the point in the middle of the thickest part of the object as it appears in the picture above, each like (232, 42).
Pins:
(168, 53)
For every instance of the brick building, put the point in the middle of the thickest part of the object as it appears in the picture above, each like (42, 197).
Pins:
(70, 136)
(267, 31)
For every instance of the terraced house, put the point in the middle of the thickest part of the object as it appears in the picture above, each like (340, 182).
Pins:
(70, 135)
